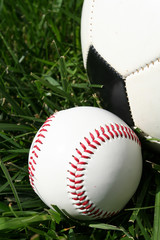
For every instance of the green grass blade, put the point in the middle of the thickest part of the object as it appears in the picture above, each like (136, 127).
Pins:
(9, 140)
(3, 207)
(10, 100)
(110, 228)
(34, 119)
(20, 222)
(57, 90)
(143, 229)
(9, 49)
(9, 179)
(55, 215)
(41, 233)
(4, 186)
(1, 5)
(14, 127)
(55, 31)
(15, 151)
(140, 199)
(63, 71)
(156, 226)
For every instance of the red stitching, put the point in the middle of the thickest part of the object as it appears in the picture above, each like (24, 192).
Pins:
(118, 129)
(73, 174)
(45, 125)
(78, 152)
(110, 132)
(41, 135)
(81, 169)
(37, 148)
(80, 181)
(38, 141)
(104, 134)
(35, 154)
(43, 130)
(79, 175)
(75, 158)
(85, 149)
(93, 139)
(80, 194)
(33, 160)
(123, 130)
(73, 166)
(76, 183)
(98, 135)
(82, 198)
(113, 129)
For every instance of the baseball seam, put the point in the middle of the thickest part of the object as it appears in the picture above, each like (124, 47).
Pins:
(78, 165)
(39, 140)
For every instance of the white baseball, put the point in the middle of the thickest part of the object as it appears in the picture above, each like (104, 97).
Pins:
(86, 161)
(121, 50)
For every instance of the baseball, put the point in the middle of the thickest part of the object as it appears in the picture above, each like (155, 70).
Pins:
(87, 161)
(121, 51)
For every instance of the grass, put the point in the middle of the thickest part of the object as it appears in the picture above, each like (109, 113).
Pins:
(41, 71)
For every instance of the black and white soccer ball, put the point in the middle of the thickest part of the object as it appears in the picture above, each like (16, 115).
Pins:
(121, 51)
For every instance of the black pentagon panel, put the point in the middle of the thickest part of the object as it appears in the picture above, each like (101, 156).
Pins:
(113, 93)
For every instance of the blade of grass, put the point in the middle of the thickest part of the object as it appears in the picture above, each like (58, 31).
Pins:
(35, 119)
(9, 49)
(156, 225)
(4, 186)
(9, 140)
(63, 72)
(140, 199)
(20, 222)
(15, 151)
(10, 100)
(42, 233)
(143, 230)
(11, 52)
(86, 85)
(3, 207)
(9, 157)
(55, 31)
(9, 179)
(55, 215)
(57, 90)
(14, 127)
(1, 5)
(111, 228)
(57, 5)
(19, 213)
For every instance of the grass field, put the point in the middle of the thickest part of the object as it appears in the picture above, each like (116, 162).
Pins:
(41, 71)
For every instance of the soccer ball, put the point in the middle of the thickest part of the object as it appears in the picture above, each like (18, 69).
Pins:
(121, 51)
